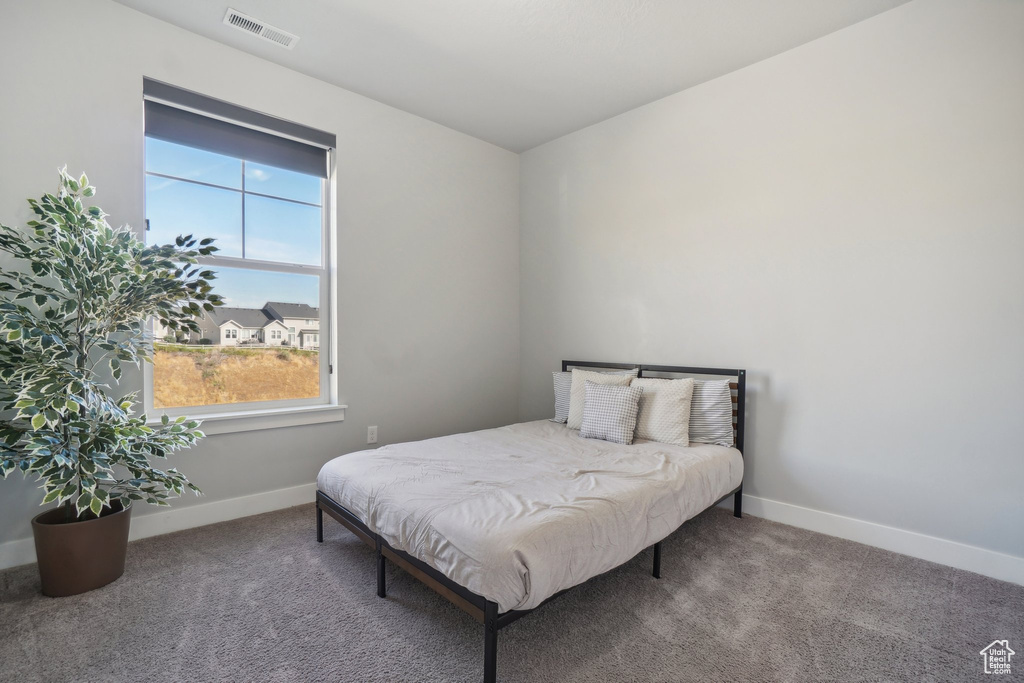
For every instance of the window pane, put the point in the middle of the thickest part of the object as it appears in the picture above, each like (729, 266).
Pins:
(276, 230)
(195, 164)
(281, 183)
(257, 347)
(175, 207)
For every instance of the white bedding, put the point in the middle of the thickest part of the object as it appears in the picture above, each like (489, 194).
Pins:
(518, 513)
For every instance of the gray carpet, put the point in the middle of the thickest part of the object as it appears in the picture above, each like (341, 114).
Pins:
(740, 600)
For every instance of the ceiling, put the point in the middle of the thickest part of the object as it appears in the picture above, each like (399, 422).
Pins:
(519, 73)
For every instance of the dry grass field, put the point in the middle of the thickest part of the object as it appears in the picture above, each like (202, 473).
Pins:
(210, 375)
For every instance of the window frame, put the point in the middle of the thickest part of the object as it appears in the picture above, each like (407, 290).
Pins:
(230, 417)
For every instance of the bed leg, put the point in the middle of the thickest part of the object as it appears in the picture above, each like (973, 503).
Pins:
(490, 642)
(382, 591)
(319, 524)
(737, 503)
(657, 560)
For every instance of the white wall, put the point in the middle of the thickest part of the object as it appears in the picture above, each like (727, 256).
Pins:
(846, 221)
(428, 222)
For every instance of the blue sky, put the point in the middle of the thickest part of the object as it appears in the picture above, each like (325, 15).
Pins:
(252, 288)
(275, 230)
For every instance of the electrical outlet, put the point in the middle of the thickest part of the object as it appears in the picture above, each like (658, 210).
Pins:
(371, 434)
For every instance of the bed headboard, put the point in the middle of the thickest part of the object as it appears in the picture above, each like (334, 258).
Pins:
(738, 387)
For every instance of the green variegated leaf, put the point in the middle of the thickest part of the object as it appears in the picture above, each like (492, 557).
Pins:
(38, 421)
(83, 503)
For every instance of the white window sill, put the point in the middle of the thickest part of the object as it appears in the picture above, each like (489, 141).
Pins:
(252, 420)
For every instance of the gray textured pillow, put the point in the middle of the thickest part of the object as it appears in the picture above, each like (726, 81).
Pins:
(563, 383)
(711, 413)
(609, 412)
(576, 393)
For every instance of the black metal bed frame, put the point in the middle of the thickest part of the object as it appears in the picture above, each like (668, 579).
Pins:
(480, 608)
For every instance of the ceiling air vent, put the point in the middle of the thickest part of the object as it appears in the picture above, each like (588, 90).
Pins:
(260, 29)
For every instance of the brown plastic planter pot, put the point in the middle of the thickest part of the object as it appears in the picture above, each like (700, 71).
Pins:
(75, 557)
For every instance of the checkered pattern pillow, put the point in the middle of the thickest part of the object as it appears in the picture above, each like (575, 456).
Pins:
(577, 393)
(563, 383)
(609, 412)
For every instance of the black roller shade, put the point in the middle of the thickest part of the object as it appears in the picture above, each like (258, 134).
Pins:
(177, 125)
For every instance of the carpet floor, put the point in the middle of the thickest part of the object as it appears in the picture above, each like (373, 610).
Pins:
(258, 599)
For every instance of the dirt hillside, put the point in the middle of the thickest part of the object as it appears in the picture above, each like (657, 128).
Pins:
(212, 375)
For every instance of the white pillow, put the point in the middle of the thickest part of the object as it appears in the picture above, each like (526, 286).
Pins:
(664, 410)
(577, 394)
(711, 413)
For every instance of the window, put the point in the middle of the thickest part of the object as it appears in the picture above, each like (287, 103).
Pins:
(259, 186)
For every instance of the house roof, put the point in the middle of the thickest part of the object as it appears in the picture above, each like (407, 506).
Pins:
(272, 311)
(281, 310)
(246, 317)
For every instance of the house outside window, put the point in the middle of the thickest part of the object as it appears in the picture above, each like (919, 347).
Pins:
(263, 194)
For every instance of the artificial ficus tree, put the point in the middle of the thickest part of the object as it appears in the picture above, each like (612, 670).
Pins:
(74, 297)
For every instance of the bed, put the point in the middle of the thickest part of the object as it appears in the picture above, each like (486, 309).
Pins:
(501, 521)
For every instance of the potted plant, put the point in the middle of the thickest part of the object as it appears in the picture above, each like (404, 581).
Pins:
(74, 295)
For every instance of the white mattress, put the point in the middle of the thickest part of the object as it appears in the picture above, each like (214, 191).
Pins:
(519, 513)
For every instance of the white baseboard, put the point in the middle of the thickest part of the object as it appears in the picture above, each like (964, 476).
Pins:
(931, 548)
(23, 551)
